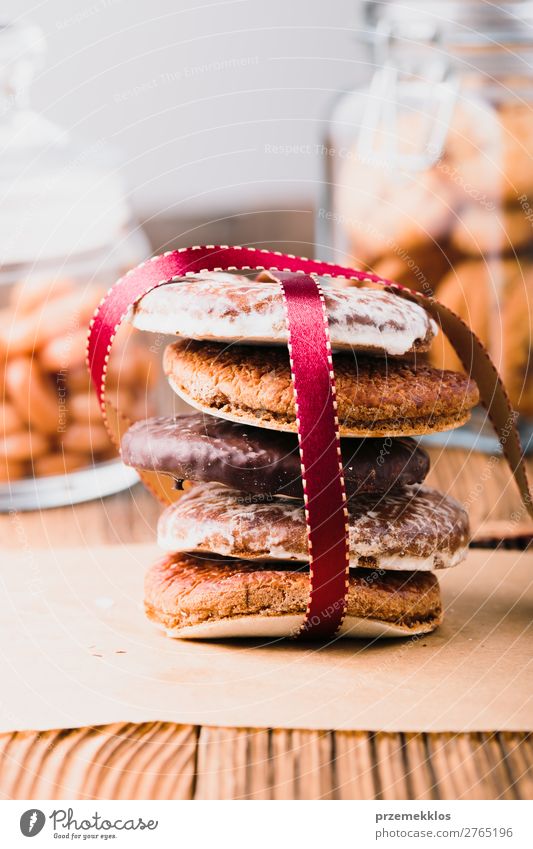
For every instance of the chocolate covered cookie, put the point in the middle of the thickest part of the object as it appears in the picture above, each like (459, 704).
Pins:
(207, 448)
(375, 397)
(414, 528)
(232, 308)
(192, 597)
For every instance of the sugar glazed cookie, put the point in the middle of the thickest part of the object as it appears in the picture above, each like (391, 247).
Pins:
(231, 308)
(413, 528)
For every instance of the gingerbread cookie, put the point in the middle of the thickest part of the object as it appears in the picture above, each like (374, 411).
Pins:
(414, 528)
(231, 308)
(495, 298)
(386, 211)
(192, 597)
(420, 269)
(375, 397)
(491, 232)
(206, 448)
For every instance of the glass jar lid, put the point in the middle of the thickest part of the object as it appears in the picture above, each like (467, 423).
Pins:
(474, 23)
(59, 198)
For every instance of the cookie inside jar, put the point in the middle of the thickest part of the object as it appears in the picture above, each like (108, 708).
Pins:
(429, 174)
(50, 420)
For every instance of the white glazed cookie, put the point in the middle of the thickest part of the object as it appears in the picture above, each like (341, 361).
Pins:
(230, 308)
(414, 528)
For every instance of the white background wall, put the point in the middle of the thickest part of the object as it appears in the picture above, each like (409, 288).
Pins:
(195, 95)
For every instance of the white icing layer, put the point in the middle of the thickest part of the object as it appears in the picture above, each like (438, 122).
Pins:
(226, 307)
(412, 529)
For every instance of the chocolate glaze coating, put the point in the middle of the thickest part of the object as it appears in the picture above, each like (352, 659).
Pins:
(205, 448)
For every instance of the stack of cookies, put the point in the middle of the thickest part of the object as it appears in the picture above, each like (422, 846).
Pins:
(236, 558)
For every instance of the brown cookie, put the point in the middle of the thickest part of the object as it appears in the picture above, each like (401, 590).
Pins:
(491, 231)
(375, 397)
(517, 333)
(495, 299)
(516, 119)
(206, 598)
(415, 528)
(384, 210)
(466, 290)
(259, 461)
(471, 160)
(487, 153)
(420, 269)
(231, 308)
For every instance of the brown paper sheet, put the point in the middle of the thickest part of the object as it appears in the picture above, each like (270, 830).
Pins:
(75, 650)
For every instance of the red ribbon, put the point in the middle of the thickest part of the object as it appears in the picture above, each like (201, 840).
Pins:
(320, 450)
(314, 385)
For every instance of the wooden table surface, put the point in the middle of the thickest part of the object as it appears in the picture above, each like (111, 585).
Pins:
(162, 760)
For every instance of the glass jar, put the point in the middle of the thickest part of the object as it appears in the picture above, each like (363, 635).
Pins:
(429, 174)
(67, 234)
